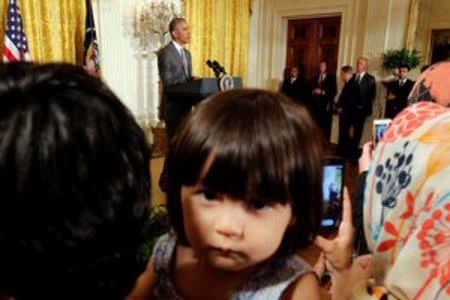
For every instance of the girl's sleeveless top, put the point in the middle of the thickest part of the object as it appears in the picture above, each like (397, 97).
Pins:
(268, 283)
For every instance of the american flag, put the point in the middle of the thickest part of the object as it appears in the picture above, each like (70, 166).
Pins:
(90, 49)
(16, 45)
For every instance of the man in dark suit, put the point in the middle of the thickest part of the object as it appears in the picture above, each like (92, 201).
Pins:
(323, 93)
(175, 67)
(397, 92)
(294, 86)
(346, 107)
(364, 92)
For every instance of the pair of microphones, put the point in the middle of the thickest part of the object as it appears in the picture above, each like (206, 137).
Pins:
(216, 67)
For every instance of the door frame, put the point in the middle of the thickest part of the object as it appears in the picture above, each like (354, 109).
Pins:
(349, 45)
(315, 64)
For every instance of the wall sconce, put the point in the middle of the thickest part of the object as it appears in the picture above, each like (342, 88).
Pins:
(153, 18)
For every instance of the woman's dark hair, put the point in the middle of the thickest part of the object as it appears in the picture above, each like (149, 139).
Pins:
(424, 68)
(75, 186)
(266, 148)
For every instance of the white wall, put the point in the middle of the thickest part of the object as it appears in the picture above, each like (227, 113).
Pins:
(368, 28)
(130, 71)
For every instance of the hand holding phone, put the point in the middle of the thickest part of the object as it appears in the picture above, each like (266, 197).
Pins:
(338, 250)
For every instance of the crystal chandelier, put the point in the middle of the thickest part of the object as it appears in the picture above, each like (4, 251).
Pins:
(153, 18)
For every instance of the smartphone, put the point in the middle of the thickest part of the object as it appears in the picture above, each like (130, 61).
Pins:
(379, 128)
(332, 195)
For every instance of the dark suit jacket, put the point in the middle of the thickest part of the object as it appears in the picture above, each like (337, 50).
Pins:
(348, 99)
(296, 90)
(171, 71)
(393, 107)
(330, 88)
(367, 91)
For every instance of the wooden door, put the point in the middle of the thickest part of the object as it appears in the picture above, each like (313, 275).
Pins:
(440, 45)
(312, 40)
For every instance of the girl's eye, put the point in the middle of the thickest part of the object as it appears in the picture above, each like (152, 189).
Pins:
(208, 195)
(258, 204)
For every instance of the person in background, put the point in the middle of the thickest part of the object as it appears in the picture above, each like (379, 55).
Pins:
(406, 214)
(323, 92)
(398, 92)
(424, 68)
(74, 183)
(294, 86)
(347, 108)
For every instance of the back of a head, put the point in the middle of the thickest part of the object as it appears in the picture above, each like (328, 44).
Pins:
(265, 146)
(432, 85)
(75, 185)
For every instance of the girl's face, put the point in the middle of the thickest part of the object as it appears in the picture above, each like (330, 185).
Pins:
(227, 233)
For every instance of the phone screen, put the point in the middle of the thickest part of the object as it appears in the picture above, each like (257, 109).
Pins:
(379, 128)
(332, 191)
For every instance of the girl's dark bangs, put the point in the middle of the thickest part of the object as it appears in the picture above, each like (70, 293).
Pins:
(242, 173)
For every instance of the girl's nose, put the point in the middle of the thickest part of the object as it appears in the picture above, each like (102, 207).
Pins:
(230, 221)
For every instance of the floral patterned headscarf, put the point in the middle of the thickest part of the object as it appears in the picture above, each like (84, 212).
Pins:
(433, 85)
(407, 204)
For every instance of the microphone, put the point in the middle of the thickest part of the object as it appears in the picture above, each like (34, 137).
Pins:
(214, 66)
(219, 67)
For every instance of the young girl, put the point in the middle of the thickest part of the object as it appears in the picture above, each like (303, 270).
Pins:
(244, 194)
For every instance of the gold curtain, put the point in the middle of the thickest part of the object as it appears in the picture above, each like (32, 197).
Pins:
(54, 29)
(220, 30)
(413, 20)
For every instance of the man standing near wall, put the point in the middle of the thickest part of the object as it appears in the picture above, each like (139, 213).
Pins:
(323, 92)
(294, 86)
(365, 92)
(398, 92)
(175, 67)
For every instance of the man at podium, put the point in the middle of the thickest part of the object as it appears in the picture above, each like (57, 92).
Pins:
(175, 67)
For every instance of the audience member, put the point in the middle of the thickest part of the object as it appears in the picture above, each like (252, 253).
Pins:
(242, 202)
(397, 92)
(424, 68)
(433, 85)
(406, 213)
(75, 186)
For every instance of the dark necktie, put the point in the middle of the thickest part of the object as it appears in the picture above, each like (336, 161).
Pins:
(321, 79)
(185, 63)
(401, 83)
(358, 78)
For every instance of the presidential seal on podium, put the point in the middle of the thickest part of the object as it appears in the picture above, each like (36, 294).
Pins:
(226, 83)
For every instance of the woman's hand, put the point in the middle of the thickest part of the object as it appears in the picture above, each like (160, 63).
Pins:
(338, 251)
(366, 157)
(344, 282)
